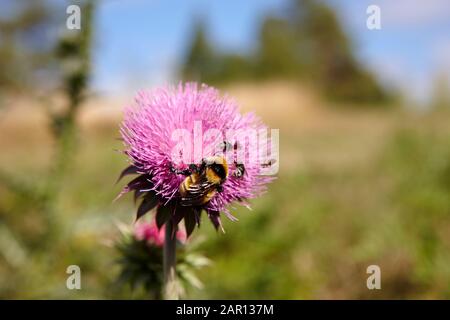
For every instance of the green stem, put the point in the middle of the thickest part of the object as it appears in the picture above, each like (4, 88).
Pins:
(170, 290)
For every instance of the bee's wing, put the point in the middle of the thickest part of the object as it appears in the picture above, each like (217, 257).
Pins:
(196, 193)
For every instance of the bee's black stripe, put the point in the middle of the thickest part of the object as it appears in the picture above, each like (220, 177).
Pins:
(219, 170)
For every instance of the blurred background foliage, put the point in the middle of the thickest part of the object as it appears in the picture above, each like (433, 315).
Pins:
(308, 44)
(364, 183)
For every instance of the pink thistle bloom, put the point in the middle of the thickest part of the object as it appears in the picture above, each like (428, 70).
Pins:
(214, 166)
(149, 232)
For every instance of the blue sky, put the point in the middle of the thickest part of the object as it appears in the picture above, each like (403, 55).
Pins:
(141, 42)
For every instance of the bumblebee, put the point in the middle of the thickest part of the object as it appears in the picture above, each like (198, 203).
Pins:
(202, 182)
(226, 146)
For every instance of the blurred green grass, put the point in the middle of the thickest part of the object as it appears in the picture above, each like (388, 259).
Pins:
(312, 235)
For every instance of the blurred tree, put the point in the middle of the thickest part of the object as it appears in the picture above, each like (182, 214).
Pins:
(327, 50)
(231, 67)
(277, 53)
(34, 248)
(200, 61)
(308, 43)
(72, 54)
(23, 24)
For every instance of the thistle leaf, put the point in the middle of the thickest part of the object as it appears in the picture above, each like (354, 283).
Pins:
(197, 215)
(150, 201)
(197, 261)
(138, 183)
(163, 215)
(178, 216)
(214, 216)
(189, 222)
(137, 194)
(127, 171)
(188, 275)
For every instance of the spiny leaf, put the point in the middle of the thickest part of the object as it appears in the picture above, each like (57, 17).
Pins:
(214, 216)
(189, 222)
(188, 275)
(163, 214)
(197, 215)
(128, 170)
(137, 194)
(150, 201)
(196, 260)
(138, 183)
(178, 215)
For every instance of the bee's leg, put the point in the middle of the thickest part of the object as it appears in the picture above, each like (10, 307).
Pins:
(193, 168)
(202, 166)
(219, 188)
(225, 146)
(240, 169)
(185, 172)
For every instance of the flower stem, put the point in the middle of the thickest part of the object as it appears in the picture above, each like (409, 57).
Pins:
(170, 290)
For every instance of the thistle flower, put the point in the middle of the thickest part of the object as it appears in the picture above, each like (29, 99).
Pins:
(149, 232)
(141, 260)
(209, 127)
